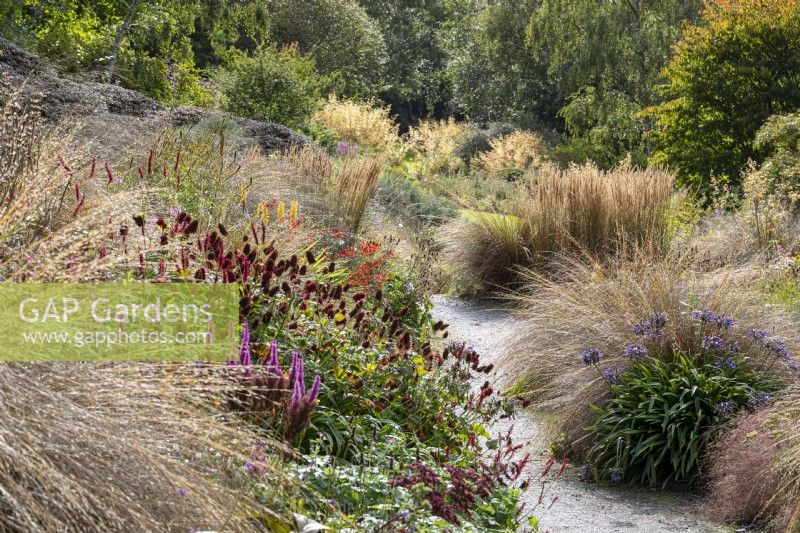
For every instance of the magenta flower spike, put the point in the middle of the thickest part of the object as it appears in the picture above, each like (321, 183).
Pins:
(274, 366)
(301, 376)
(297, 395)
(293, 368)
(244, 349)
(314, 391)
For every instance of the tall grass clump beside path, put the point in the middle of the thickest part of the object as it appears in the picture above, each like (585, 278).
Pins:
(590, 304)
(754, 477)
(122, 448)
(580, 209)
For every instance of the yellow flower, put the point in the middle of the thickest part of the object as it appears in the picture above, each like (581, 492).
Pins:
(293, 210)
(281, 211)
(263, 212)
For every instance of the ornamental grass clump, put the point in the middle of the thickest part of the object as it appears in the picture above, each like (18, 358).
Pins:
(637, 310)
(754, 476)
(580, 210)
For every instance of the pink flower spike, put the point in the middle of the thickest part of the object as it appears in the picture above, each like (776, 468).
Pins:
(244, 349)
(297, 395)
(293, 368)
(301, 377)
(313, 393)
(274, 366)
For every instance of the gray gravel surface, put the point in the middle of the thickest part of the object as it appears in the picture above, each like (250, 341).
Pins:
(581, 506)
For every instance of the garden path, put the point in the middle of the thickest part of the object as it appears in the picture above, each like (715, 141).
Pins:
(582, 507)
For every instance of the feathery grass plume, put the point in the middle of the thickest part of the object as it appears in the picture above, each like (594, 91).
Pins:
(356, 181)
(345, 189)
(362, 124)
(581, 209)
(754, 473)
(513, 154)
(21, 132)
(437, 142)
(588, 303)
(85, 447)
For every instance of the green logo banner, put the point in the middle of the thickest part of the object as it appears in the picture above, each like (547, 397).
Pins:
(118, 322)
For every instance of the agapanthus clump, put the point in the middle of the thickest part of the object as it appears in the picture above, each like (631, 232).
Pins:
(591, 356)
(652, 329)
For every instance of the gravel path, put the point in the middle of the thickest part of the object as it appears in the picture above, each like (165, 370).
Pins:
(582, 507)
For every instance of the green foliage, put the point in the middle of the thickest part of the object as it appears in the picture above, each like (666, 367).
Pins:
(277, 85)
(779, 174)
(662, 416)
(729, 75)
(414, 81)
(605, 59)
(494, 72)
(345, 43)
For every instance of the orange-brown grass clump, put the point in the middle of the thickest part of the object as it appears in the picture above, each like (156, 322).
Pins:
(137, 447)
(345, 188)
(754, 476)
(581, 209)
(594, 304)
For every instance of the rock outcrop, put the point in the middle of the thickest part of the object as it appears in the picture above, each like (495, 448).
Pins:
(62, 99)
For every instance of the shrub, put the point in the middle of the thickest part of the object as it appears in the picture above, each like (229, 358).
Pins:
(745, 56)
(416, 205)
(360, 124)
(595, 304)
(779, 174)
(662, 416)
(276, 85)
(345, 42)
(477, 140)
(437, 141)
(513, 154)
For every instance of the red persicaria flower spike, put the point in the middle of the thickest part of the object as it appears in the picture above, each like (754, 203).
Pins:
(109, 175)
(94, 166)
(77, 192)
(150, 161)
(64, 164)
(140, 171)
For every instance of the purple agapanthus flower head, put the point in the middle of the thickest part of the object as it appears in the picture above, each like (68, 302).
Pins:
(757, 334)
(758, 400)
(725, 408)
(713, 343)
(244, 348)
(611, 375)
(635, 351)
(707, 316)
(651, 328)
(726, 362)
(591, 356)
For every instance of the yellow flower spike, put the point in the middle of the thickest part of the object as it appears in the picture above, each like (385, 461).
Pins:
(293, 210)
(281, 211)
(243, 194)
(263, 212)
